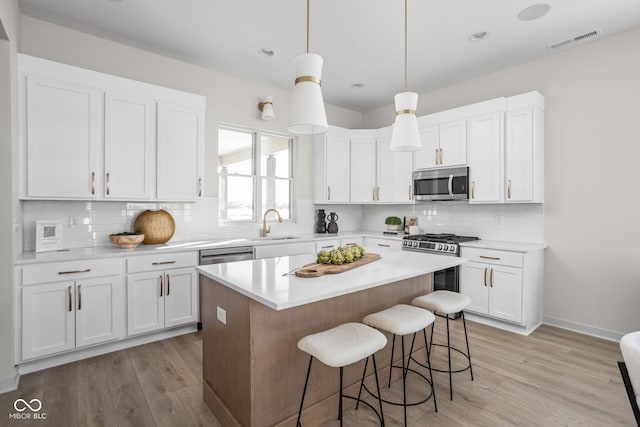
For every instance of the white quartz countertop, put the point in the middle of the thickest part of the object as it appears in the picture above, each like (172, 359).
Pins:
(505, 246)
(188, 245)
(268, 282)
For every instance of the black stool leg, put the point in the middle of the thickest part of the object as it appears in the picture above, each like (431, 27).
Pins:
(406, 371)
(464, 323)
(449, 352)
(404, 384)
(366, 363)
(375, 372)
(426, 347)
(393, 347)
(304, 391)
(340, 402)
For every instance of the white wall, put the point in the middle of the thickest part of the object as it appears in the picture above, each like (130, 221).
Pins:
(592, 149)
(10, 244)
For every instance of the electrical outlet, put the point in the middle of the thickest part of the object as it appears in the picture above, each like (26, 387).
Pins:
(73, 221)
(499, 219)
(222, 315)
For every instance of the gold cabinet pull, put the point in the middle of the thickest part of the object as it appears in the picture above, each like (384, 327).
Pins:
(485, 277)
(373, 193)
(162, 262)
(491, 277)
(509, 189)
(327, 246)
(79, 297)
(441, 156)
(161, 285)
(473, 190)
(74, 271)
(93, 183)
(377, 193)
(384, 245)
(70, 302)
(328, 192)
(410, 192)
(108, 183)
(168, 285)
(199, 187)
(437, 156)
(490, 257)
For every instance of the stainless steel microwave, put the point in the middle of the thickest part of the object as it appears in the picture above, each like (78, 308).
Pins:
(441, 184)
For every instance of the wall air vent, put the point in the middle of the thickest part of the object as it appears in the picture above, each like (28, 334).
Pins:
(576, 39)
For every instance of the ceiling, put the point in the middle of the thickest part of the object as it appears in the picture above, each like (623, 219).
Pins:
(361, 41)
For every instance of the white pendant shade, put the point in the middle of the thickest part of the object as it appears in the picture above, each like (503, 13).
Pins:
(307, 105)
(406, 136)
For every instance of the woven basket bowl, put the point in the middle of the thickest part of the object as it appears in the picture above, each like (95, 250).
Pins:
(157, 226)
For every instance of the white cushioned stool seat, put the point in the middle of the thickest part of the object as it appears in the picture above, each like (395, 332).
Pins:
(400, 319)
(444, 302)
(630, 347)
(343, 345)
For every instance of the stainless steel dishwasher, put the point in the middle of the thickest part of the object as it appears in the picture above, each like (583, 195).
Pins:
(220, 255)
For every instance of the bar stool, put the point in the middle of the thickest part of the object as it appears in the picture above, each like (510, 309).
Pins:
(443, 304)
(403, 320)
(341, 346)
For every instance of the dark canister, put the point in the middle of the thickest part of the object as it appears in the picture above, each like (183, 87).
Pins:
(332, 227)
(321, 225)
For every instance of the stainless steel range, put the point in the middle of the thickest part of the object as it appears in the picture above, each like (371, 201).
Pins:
(441, 244)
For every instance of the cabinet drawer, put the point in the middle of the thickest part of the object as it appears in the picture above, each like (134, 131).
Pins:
(351, 241)
(71, 270)
(327, 245)
(271, 251)
(372, 243)
(492, 256)
(137, 264)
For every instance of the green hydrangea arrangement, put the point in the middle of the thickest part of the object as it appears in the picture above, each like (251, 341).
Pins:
(343, 255)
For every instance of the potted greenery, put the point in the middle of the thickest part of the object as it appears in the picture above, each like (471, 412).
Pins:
(393, 223)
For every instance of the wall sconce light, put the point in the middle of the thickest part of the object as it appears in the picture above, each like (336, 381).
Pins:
(266, 107)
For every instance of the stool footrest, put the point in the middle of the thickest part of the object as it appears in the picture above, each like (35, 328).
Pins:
(400, 403)
(466, 368)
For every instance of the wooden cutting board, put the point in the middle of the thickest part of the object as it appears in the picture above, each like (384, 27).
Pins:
(317, 270)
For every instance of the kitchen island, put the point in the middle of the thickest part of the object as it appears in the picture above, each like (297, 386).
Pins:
(254, 313)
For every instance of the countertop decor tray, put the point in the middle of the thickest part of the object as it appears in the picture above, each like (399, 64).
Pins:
(317, 270)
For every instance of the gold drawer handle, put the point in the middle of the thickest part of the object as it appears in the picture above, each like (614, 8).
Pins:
(491, 277)
(168, 285)
(384, 245)
(473, 190)
(328, 193)
(70, 302)
(328, 246)
(509, 189)
(490, 257)
(79, 297)
(161, 285)
(163, 262)
(108, 183)
(485, 277)
(74, 271)
(93, 183)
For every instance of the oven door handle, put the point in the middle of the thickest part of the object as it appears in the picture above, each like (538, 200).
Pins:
(450, 186)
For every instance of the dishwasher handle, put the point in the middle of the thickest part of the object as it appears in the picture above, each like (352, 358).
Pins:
(220, 255)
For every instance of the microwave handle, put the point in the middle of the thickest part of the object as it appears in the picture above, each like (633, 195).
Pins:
(450, 185)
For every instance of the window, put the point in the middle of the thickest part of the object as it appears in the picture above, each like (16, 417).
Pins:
(255, 171)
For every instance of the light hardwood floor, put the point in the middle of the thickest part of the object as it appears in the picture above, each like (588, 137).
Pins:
(551, 378)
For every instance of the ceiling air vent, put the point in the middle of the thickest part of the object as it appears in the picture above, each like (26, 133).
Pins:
(580, 38)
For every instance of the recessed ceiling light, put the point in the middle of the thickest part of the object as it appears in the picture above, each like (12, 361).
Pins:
(266, 51)
(357, 86)
(479, 36)
(533, 12)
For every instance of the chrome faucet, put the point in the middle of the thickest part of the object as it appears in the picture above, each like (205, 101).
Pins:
(267, 229)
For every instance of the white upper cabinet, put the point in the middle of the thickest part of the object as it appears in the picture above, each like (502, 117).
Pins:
(443, 145)
(129, 147)
(62, 138)
(395, 172)
(100, 131)
(485, 158)
(363, 168)
(331, 166)
(524, 149)
(180, 156)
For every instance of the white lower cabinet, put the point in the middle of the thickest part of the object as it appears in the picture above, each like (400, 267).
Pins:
(63, 315)
(377, 244)
(160, 297)
(503, 285)
(283, 249)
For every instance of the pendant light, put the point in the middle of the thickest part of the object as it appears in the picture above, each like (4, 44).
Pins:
(307, 106)
(405, 135)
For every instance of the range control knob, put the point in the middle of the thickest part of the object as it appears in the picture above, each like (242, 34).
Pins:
(439, 247)
(452, 248)
(415, 244)
(445, 248)
(404, 243)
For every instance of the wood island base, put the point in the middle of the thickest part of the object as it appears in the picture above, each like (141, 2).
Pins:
(253, 371)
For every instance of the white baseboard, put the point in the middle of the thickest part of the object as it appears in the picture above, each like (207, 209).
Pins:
(75, 355)
(507, 326)
(10, 382)
(583, 329)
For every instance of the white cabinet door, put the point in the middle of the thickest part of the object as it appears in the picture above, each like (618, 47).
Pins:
(180, 144)
(453, 143)
(48, 319)
(145, 302)
(402, 177)
(181, 296)
(375, 245)
(428, 156)
(363, 170)
(63, 139)
(505, 300)
(337, 169)
(473, 283)
(98, 310)
(386, 170)
(519, 155)
(129, 142)
(284, 249)
(485, 158)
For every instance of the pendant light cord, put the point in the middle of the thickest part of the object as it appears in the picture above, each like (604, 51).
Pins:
(405, 45)
(308, 25)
